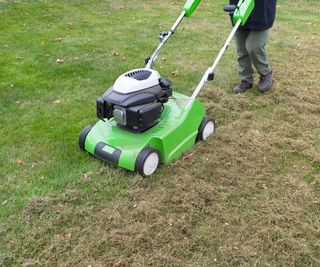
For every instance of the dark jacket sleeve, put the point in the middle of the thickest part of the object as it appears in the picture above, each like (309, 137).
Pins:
(263, 15)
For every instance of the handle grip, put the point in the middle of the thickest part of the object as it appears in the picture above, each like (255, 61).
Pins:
(243, 11)
(190, 6)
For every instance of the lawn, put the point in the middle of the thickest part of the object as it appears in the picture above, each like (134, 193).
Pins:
(250, 196)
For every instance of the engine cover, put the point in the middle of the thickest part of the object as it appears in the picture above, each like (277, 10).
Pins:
(138, 106)
(136, 80)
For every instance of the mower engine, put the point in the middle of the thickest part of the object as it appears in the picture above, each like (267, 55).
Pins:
(136, 99)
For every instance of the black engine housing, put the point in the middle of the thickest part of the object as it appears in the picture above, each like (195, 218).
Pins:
(135, 111)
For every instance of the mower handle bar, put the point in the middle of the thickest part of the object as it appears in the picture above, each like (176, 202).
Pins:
(189, 7)
(164, 38)
(240, 15)
(209, 74)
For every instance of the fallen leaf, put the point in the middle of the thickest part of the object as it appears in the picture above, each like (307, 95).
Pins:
(58, 101)
(59, 61)
(20, 162)
(174, 73)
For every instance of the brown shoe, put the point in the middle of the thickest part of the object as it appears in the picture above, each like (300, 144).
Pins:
(265, 82)
(242, 87)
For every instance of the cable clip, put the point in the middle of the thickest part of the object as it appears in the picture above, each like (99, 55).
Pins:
(211, 76)
(162, 35)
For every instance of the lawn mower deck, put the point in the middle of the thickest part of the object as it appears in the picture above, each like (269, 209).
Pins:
(177, 130)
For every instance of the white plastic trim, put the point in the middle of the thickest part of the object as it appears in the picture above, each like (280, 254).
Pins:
(127, 85)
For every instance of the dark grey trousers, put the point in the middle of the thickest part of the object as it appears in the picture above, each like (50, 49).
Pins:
(252, 53)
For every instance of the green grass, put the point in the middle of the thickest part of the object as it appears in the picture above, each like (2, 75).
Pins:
(250, 196)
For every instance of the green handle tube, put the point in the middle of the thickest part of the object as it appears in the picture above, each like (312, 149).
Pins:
(190, 7)
(243, 11)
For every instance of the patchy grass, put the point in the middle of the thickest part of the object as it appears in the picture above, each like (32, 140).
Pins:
(249, 196)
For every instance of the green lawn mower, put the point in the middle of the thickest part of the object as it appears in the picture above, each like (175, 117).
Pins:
(142, 122)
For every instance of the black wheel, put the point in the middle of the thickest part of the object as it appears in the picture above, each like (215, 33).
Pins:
(83, 135)
(207, 128)
(147, 161)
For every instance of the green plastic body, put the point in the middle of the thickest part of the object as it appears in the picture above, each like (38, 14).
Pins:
(243, 11)
(175, 133)
(190, 6)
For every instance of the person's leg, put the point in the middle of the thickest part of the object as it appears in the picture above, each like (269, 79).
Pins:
(245, 70)
(255, 45)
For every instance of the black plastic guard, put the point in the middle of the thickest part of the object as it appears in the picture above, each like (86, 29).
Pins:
(101, 152)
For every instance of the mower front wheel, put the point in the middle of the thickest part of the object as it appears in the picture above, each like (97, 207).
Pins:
(207, 128)
(147, 161)
(83, 135)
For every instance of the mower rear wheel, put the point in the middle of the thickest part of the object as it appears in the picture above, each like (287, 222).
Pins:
(147, 161)
(83, 135)
(207, 128)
